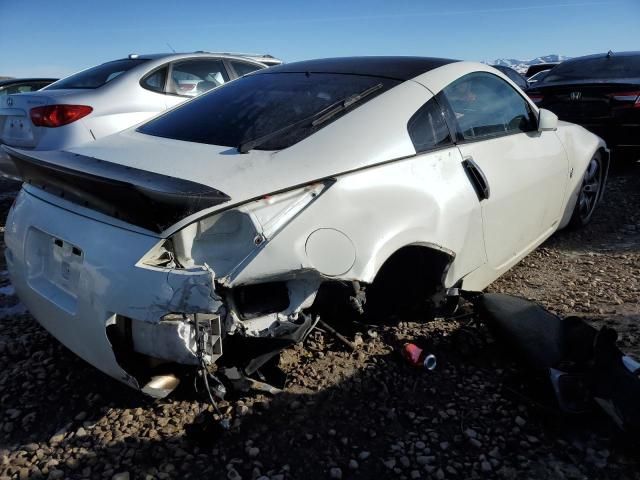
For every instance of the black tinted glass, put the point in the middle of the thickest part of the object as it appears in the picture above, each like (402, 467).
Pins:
(427, 127)
(487, 106)
(516, 78)
(242, 68)
(156, 80)
(596, 69)
(97, 76)
(257, 105)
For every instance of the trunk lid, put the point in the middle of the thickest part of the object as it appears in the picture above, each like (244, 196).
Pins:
(146, 199)
(16, 127)
(580, 101)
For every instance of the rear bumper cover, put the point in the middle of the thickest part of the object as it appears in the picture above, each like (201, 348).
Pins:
(75, 274)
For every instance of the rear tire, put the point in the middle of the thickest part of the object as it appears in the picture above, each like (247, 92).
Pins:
(590, 192)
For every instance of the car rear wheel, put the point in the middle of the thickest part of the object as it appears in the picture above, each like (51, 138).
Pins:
(590, 191)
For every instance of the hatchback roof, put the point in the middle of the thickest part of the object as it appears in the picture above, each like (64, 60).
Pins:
(397, 68)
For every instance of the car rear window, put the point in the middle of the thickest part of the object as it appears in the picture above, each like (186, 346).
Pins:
(259, 105)
(601, 68)
(97, 76)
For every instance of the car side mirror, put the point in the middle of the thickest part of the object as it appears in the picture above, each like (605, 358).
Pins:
(547, 120)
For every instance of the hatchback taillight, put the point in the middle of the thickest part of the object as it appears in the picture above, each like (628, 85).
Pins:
(53, 116)
(631, 98)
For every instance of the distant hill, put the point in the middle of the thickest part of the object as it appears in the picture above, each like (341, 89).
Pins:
(5, 78)
(522, 65)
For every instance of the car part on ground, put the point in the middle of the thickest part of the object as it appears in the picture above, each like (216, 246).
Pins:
(600, 92)
(581, 365)
(388, 206)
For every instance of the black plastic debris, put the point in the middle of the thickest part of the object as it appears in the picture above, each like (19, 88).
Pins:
(582, 366)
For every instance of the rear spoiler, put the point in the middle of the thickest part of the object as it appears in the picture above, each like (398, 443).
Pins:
(139, 197)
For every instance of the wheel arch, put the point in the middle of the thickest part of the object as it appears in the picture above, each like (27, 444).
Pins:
(581, 145)
(411, 279)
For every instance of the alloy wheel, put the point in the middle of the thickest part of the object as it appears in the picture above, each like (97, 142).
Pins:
(590, 190)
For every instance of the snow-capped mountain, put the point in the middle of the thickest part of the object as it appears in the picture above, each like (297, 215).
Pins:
(522, 65)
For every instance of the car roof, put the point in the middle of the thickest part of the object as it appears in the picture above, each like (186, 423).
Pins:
(12, 81)
(256, 57)
(604, 55)
(397, 68)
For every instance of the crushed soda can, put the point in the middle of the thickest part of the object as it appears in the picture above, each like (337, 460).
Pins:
(418, 357)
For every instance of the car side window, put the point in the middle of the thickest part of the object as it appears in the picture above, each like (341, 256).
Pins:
(193, 77)
(486, 106)
(517, 79)
(156, 80)
(427, 127)
(18, 89)
(242, 68)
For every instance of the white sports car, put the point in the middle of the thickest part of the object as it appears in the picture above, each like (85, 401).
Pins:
(214, 232)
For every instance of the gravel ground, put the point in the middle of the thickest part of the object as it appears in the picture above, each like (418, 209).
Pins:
(362, 414)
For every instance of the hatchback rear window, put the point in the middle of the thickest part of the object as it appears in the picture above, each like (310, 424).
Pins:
(97, 76)
(601, 68)
(256, 106)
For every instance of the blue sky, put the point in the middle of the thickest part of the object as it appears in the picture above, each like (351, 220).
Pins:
(56, 38)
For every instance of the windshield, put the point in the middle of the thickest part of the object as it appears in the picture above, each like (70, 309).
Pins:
(259, 105)
(600, 68)
(97, 76)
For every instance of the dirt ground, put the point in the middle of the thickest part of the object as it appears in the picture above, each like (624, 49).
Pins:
(362, 414)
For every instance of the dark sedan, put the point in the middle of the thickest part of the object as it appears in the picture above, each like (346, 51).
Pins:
(600, 92)
(21, 85)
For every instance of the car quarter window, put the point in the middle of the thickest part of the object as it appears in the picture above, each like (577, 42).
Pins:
(242, 68)
(193, 77)
(427, 127)
(517, 79)
(155, 81)
(486, 106)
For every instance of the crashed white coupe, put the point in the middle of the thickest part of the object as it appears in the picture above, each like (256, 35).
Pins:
(218, 231)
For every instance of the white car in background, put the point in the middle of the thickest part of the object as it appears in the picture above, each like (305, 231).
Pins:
(115, 95)
(222, 227)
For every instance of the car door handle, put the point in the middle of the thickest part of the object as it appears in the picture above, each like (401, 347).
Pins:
(477, 178)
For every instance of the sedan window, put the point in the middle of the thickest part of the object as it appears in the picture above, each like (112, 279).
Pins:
(598, 68)
(156, 80)
(242, 68)
(487, 106)
(11, 89)
(194, 77)
(97, 76)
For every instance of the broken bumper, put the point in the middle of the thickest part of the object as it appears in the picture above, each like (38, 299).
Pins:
(77, 275)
